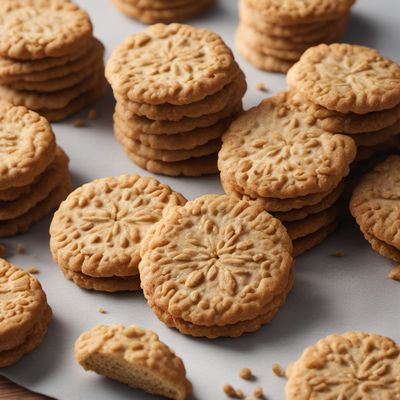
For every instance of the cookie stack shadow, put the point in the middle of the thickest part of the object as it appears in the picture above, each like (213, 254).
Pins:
(58, 74)
(35, 175)
(177, 89)
(273, 38)
(25, 313)
(151, 12)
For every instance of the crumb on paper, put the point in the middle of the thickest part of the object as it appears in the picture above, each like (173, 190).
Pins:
(277, 370)
(92, 114)
(261, 87)
(339, 253)
(20, 248)
(246, 374)
(101, 310)
(32, 270)
(79, 123)
(258, 393)
(3, 251)
(395, 273)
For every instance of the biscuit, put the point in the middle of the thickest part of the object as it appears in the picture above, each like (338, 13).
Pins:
(375, 138)
(351, 365)
(365, 153)
(27, 145)
(375, 202)
(191, 167)
(196, 63)
(27, 34)
(51, 178)
(134, 356)
(22, 303)
(99, 228)
(382, 248)
(273, 150)
(32, 341)
(322, 76)
(22, 223)
(202, 251)
(232, 92)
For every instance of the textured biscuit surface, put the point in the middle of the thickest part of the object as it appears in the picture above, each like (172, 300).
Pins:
(375, 203)
(98, 229)
(22, 302)
(347, 78)
(32, 29)
(215, 261)
(174, 63)
(134, 356)
(383, 249)
(27, 145)
(354, 365)
(273, 150)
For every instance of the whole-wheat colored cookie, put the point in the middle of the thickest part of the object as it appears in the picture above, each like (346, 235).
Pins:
(22, 303)
(305, 243)
(223, 260)
(145, 125)
(31, 342)
(375, 202)
(14, 192)
(22, 223)
(191, 167)
(32, 29)
(288, 12)
(179, 141)
(27, 145)
(366, 153)
(175, 64)
(50, 179)
(99, 228)
(273, 150)
(383, 249)
(154, 15)
(375, 138)
(134, 356)
(347, 78)
(231, 93)
(110, 284)
(354, 365)
(160, 4)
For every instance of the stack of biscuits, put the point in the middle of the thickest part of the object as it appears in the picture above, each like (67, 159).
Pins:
(34, 175)
(49, 60)
(352, 90)
(217, 266)
(272, 35)
(97, 232)
(275, 154)
(177, 89)
(154, 11)
(24, 313)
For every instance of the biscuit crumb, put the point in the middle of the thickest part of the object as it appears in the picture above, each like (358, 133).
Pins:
(79, 123)
(395, 273)
(32, 270)
(20, 248)
(277, 370)
(229, 390)
(239, 394)
(258, 393)
(3, 251)
(261, 87)
(339, 253)
(92, 114)
(101, 310)
(246, 374)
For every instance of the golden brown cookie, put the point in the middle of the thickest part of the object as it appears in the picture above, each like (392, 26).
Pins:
(273, 150)
(378, 137)
(351, 365)
(134, 356)
(27, 145)
(383, 249)
(223, 260)
(176, 64)
(35, 29)
(322, 76)
(99, 228)
(22, 303)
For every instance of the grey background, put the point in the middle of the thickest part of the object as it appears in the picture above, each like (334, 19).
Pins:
(331, 294)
